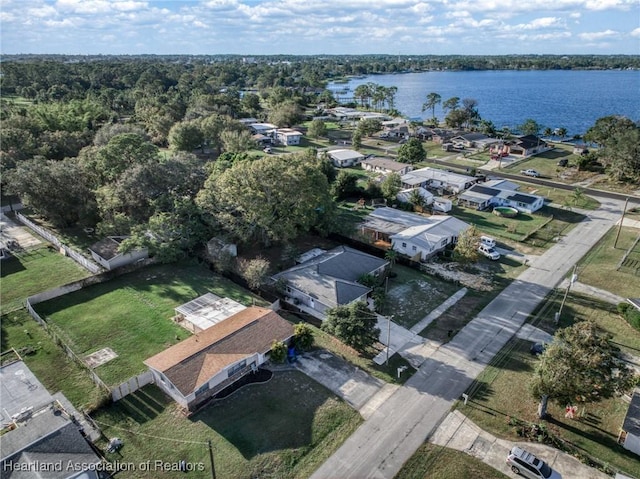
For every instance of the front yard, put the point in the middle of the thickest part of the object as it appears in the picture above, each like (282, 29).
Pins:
(284, 428)
(131, 314)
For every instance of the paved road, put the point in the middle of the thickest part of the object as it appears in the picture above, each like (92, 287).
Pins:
(380, 447)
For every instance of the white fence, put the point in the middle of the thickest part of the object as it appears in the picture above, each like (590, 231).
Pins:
(131, 385)
(77, 257)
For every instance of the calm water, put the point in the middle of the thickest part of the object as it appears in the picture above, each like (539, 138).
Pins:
(556, 99)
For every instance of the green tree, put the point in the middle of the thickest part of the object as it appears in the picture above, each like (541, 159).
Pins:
(317, 129)
(466, 249)
(530, 127)
(285, 114)
(619, 141)
(416, 199)
(186, 136)
(412, 152)
(303, 336)
(236, 141)
(356, 139)
(273, 199)
(278, 352)
(369, 126)
(390, 186)
(354, 324)
(451, 104)
(433, 99)
(255, 271)
(581, 365)
(346, 185)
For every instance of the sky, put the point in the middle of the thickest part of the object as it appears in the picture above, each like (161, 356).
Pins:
(315, 27)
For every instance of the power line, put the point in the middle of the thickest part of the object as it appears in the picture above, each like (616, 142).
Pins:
(135, 433)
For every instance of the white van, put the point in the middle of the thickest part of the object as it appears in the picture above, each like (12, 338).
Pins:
(487, 241)
(489, 252)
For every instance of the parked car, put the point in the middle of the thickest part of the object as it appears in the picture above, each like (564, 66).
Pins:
(487, 240)
(530, 172)
(537, 348)
(267, 149)
(563, 162)
(530, 466)
(489, 252)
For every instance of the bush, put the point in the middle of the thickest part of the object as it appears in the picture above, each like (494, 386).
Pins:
(303, 335)
(278, 352)
(630, 314)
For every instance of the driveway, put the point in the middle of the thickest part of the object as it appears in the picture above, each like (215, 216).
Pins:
(10, 231)
(384, 442)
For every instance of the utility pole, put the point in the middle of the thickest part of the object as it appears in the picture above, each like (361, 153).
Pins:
(213, 466)
(624, 210)
(388, 338)
(572, 280)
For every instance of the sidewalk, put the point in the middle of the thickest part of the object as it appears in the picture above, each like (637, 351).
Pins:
(458, 432)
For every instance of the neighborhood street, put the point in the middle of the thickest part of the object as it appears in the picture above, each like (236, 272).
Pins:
(394, 431)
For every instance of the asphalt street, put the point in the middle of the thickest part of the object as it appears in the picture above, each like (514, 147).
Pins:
(383, 443)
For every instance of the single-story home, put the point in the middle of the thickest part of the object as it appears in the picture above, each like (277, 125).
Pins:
(105, 252)
(205, 311)
(413, 235)
(37, 430)
(523, 146)
(262, 128)
(404, 196)
(481, 197)
(438, 179)
(467, 140)
(203, 365)
(330, 279)
(343, 158)
(631, 425)
(288, 136)
(385, 166)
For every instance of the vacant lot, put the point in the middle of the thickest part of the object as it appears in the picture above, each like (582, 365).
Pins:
(284, 428)
(33, 271)
(132, 314)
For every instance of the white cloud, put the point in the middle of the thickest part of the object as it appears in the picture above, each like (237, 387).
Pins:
(591, 36)
(635, 33)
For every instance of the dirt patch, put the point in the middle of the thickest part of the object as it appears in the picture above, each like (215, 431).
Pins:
(480, 281)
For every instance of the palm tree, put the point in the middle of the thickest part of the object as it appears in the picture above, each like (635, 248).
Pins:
(562, 132)
(433, 99)
(416, 199)
(363, 93)
(547, 132)
(450, 104)
(391, 256)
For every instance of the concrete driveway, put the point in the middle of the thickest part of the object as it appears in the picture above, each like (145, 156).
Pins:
(460, 433)
(352, 384)
(10, 231)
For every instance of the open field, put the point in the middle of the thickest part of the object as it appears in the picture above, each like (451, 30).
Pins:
(33, 271)
(437, 462)
(599, 267)
(47, 361)
(132, 314)
(284, 428)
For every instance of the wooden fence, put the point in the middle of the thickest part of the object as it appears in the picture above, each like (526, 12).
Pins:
(131, 385)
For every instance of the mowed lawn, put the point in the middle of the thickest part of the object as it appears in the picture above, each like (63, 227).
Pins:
(131, 314)
(284, 428)
(33, 271)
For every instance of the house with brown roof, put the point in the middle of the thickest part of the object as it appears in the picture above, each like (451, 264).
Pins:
(203, 365)
(106, 253)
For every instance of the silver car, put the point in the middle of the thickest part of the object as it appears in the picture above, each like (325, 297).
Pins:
(528, 465)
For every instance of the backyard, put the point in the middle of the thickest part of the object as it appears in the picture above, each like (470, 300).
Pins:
(32, 271)
(131, 314)
(284, 428)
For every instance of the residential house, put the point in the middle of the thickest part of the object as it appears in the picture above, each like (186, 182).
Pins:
(288, 136)
(404, 196)
(205, 311)
(330, 279)
(208, 362)
(385, 166)
(630, 434)
(438, 179)
(105, 252)
(467, 140)
(343, 158)
(416, 236)
(262, 128)
(491, 194)
(522, 146)
(39, 435)
(441, 135)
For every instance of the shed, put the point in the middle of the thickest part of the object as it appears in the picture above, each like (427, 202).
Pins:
(105, 252)
(205, 311)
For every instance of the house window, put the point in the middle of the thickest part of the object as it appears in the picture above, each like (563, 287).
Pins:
(404, 245)
(202, 389)
(444, 242)
(236, 368)
(414, 248)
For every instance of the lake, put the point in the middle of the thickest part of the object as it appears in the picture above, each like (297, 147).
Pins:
(554, 98)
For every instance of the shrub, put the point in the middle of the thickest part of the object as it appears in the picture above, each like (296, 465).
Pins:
(303, 336)
(278, 352)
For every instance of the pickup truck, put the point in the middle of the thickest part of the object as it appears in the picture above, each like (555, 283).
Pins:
(530, 172)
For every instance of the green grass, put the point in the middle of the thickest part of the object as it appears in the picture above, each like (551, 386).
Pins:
(437, 462)
(132, 314)
(48, 362)
(33, 271)
(284, 428)
(599, 267)
(493, 402)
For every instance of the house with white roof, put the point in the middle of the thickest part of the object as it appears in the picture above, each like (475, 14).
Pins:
(385, 166)
(262, 128)
(288, 136)
(499, 193)
(438, 179)
(404, 196)
(416, 236)
(343, 158)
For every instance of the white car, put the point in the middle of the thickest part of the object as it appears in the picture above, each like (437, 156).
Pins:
(528, 465)
(489, 252)
(530, 172)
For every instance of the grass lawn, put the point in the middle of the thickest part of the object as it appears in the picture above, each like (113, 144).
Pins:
(284, 428)
(49, 363)
(33, 271)
(132, 314)
(599, 267)
(437, 462)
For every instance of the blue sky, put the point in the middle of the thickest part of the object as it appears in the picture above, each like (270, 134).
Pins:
(259, 27)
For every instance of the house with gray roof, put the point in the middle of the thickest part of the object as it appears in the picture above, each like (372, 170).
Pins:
(437, 179)
(330, 279)
(482, 197)
(385, 166)
(343, 158)
(631, 425)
